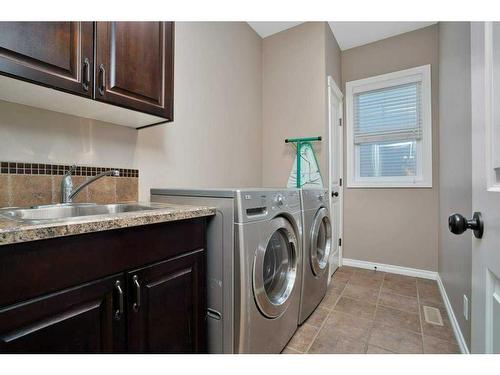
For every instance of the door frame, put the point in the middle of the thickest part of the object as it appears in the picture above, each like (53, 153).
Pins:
(334, 92)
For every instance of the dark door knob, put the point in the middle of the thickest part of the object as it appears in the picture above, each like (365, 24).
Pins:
(459, 224)
(335, 194)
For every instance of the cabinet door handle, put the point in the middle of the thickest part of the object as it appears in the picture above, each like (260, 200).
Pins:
(119, 311)
(137, 286)
(86, 74)
(102, 79)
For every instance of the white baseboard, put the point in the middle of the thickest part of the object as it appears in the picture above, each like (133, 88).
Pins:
(415, 272)
(453, 320)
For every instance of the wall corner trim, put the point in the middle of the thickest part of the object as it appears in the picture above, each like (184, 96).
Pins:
(454, 323)
(424, 274)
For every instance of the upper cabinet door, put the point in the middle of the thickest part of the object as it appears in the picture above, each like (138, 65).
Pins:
(55, 54)
(134, 66)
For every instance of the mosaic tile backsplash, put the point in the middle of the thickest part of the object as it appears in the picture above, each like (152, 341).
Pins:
(28, 184)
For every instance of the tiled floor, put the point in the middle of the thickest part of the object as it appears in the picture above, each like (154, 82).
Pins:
(368, 311)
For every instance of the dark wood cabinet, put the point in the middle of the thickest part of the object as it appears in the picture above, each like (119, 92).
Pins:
(84, 319)
(166, 313)
(55, 54)
(139, 289)
(134, 65)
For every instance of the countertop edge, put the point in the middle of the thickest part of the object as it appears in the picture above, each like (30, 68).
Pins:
(29, 233)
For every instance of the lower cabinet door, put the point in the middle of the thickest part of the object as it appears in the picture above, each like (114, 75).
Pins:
(167, 306)
(88, 318)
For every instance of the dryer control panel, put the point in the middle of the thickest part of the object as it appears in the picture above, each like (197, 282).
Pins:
(312, 199)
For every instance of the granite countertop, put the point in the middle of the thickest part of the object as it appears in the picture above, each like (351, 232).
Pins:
(12, 232)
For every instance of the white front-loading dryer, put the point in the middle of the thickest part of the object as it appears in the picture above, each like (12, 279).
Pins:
(317, 246)
(268, 268)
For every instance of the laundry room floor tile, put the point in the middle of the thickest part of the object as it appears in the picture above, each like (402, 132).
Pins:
(428, 292)
(289, 350)
(370, 273)
(396, 340)
(318, 317)
(400, 279)
(362, 293)
(325, 344)
(398, 302)
(400, 287)
(355, 307)
(342, 276)
(434, 345)
(347, 326)
(331, 299)
(373, 349)
(303, 338)
(398, 319)
(367, 281)
(336, 286)
(374, 312)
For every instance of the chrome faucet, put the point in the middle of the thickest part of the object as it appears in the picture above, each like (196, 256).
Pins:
(67, 191)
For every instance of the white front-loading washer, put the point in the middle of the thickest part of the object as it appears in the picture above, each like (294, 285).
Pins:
(316, 246)
(254, 265)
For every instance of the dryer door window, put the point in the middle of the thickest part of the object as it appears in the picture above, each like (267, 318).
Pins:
(275, 268)
(321, 242)
(277, 263)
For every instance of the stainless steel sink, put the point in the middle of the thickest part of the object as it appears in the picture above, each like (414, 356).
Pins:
(57, 212)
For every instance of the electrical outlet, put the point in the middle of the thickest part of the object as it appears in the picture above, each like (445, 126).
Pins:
(466, 307)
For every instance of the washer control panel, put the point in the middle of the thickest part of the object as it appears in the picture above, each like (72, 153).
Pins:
(262, 203)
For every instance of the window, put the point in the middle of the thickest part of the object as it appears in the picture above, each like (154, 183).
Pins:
(389, 140)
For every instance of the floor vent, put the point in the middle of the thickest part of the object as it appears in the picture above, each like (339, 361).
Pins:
(433, 316)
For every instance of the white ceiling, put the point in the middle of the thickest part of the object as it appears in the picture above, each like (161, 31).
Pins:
(348, 34)
(353, 34)
(264, 29)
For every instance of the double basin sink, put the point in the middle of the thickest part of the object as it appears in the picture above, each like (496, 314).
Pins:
(68, 211)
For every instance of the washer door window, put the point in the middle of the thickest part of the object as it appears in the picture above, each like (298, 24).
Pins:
(275, 268)
(321, 242)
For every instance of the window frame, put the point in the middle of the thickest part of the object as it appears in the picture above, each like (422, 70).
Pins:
(423, 179)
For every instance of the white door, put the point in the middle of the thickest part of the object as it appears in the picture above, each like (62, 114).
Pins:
(335, 187)
(485, 97)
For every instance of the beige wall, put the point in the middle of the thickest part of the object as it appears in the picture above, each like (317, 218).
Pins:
(455, 177)
(295, 64)
(29, 134)
(215, 139)
(332, 57)
(394, 226)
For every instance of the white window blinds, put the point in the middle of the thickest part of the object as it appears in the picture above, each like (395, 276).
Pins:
(387, 126)
(388, 114)
(389, 132)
